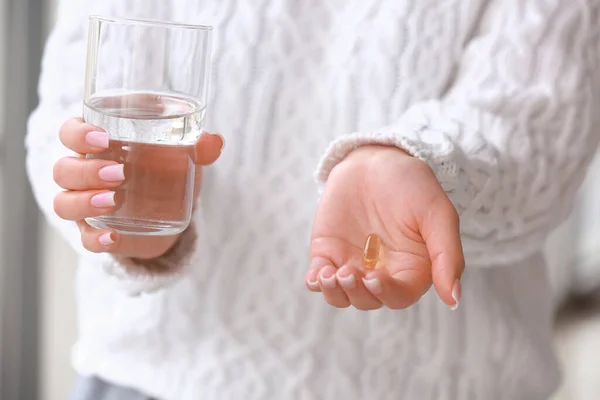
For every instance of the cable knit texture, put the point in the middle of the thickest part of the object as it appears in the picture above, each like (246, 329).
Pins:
(499, 97)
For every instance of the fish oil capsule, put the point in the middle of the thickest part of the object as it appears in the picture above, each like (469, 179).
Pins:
(371, 251)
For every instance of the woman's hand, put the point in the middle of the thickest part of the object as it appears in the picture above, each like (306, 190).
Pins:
(384, 191)
(88, 184)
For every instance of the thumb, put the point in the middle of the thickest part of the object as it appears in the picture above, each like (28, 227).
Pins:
(441, 232)
(208, 148)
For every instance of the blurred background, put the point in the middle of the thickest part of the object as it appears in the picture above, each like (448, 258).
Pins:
(37, 269)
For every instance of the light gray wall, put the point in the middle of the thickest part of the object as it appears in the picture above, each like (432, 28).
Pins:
(57, 300)
(21, 34)
(3, 18)
(37, 314)
(57, 311)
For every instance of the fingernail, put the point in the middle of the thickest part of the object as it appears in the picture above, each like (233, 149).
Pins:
(106, 239)
(222, 140)
(112, 173)
(101, 200)
(373, 285)
(312, 279)
(328, 282)
(314, 285)
(347, 281)
(456, 291)
(97, 139)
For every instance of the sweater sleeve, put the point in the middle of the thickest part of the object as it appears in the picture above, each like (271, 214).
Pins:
(511, 139)
(61, 95)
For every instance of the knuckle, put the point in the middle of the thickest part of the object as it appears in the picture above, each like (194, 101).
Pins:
(367, 307)
(87, 246)
(85, 172)
(401, 303)
(84, 242)
(396, 306)
(66, 130)
(71, 206)
(70, 130)
(58, 171)
(57, 205)
(63, 207)
(88, 242)
(338, 303)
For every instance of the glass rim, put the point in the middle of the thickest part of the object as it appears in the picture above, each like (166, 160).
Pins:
(149, 22)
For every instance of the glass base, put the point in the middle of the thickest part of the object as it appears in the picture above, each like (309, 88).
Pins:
(139, 227)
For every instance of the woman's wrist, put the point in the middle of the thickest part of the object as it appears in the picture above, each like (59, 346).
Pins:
(374, 150)
(371, 155)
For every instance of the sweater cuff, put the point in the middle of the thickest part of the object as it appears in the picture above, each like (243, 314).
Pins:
(440, 154)
(136, 276)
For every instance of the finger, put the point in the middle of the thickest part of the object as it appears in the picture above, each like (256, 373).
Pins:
(311, 279)
(399, 291)
(83, 138)
(441, 232)
(98, 240)
(106, 240)
(208, 148)
(350, 280)
(74, 206)
(334, 295)
(75, 173)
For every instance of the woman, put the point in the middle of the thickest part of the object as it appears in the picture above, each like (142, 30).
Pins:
(485, 109)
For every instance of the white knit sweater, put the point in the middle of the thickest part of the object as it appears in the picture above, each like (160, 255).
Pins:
(500, 97)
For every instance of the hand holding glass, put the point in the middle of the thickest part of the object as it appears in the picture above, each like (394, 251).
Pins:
(146, 86)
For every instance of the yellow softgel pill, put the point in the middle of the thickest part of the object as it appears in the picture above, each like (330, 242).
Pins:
(371, 251)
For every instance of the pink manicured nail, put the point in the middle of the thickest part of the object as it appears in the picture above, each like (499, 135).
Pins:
(97, 139)
(456, 292)
(346, 279)
(373, 285)
(106, 239)
(112, 173)
(101, 200)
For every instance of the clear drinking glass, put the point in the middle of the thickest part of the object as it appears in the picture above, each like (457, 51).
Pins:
(146, 85)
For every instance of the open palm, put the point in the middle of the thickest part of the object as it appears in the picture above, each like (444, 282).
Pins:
(386, 192)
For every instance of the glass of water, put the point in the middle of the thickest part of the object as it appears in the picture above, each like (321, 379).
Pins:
(146, 86)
